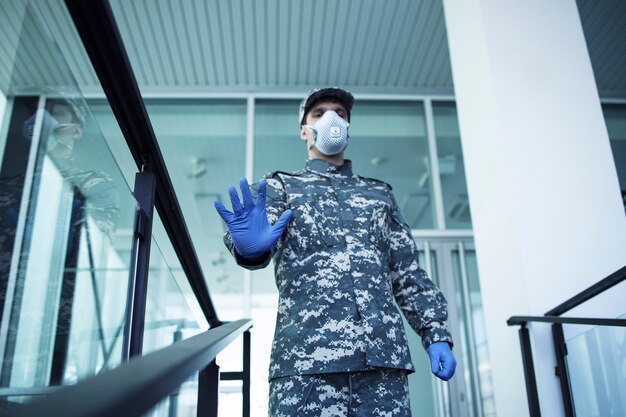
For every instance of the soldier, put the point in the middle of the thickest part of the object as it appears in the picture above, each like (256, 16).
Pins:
(342, 253)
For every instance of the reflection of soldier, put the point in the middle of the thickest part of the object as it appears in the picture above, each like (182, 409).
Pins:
(343, 253)
(95, 191)
(92, 199)
(60, 127)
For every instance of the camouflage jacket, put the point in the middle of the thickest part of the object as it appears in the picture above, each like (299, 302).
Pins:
(346, 254)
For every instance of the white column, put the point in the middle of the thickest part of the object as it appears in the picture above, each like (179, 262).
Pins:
(546, 208)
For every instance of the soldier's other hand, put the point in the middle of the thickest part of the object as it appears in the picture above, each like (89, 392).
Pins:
(252, 234)
(442, 360)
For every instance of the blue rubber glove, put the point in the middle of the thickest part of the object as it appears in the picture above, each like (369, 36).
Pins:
(442, 361)
(248, 226)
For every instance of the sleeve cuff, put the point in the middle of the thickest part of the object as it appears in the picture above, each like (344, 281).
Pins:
(255, 263)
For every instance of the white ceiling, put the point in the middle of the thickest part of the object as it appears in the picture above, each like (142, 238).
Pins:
(190, 46)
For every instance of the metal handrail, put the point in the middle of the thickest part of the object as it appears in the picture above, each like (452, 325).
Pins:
(523, 320)
(134, 388)
(100, 35)
(598, 288)
(560, 348)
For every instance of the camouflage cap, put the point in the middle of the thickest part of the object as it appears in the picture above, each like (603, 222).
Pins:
(333, 93)
(71, 98)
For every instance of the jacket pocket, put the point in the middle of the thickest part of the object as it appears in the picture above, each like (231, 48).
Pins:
(316, 225)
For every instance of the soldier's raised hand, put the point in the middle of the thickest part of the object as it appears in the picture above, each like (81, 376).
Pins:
(247, 224)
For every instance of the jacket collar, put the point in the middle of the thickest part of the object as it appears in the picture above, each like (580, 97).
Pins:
(324, 167)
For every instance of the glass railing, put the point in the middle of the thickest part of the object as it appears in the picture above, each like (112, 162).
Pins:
(66, 215)
(68, 222)
(591, 366)
(172, 313)
(94, 273)
(597, 369)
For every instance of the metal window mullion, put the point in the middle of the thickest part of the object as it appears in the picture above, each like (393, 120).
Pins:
(428, 266)
(470, 329)
(440, 219)
(247, 274)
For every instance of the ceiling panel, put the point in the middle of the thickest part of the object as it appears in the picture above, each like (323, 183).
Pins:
(604, 24)
(368, 46)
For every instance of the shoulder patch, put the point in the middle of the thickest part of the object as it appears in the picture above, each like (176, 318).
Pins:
(279, 173)
(377, 180)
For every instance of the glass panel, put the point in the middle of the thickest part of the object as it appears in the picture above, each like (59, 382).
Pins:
(169, 316)
(424, 390)
(615, 118)
(184, 401)
(451, 166)
(66, 217)
(473, 340)
(277, 143)
(203, 143)
(180, 403)
(388, 142)
(597, 368)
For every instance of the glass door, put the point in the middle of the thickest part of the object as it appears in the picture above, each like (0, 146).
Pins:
(451, 263)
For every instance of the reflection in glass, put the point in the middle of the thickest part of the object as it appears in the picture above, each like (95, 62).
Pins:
(66, 207)
(597, 368)
(451, 167)
(66, 217)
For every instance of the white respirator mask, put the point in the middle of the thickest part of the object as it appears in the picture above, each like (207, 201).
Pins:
(330, 133)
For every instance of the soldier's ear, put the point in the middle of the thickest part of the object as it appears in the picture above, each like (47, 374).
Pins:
(303, 132)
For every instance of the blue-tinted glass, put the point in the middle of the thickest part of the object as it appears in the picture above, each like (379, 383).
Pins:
(66, 214)
(595, 361)
(451, 166)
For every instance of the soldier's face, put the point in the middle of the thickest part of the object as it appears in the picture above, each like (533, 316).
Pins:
(318, 111)
(68, 134)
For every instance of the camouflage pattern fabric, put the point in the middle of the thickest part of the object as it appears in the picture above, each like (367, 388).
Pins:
(102, 202)
(380, 392)
(346, 254)
(102, 199)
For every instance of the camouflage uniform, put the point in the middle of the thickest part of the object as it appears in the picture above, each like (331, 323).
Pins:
(346, 254)
(381, 392)
(343, 258)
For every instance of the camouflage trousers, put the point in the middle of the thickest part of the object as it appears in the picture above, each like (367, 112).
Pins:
(380, 392)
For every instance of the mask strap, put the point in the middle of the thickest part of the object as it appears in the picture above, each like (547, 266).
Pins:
(312, 129)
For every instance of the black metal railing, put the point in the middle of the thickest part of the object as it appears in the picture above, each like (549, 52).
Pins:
(560, 347)
(136, 387)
